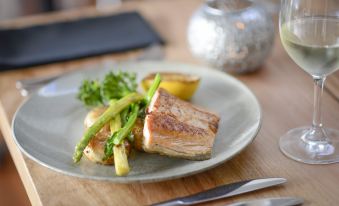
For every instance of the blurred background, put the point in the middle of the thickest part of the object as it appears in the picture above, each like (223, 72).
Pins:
(15, 8)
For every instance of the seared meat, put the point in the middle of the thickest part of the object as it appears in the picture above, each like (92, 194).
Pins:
(138, 134)
(95, 150)
(177, 128)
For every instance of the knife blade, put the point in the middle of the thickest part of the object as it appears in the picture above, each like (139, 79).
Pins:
(281, 201)
(223, 191)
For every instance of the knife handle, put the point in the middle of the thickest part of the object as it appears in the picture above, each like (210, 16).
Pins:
(204, 196)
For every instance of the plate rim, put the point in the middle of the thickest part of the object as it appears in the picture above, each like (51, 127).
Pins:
(135, 179)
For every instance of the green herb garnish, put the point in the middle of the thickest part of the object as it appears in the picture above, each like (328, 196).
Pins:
(118, 85)
(94, 93)
(90, 93)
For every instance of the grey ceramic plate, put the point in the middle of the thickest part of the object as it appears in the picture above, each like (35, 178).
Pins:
(49, 124)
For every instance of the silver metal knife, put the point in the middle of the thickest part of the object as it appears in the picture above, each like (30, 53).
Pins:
(224, 191)
(280, 201)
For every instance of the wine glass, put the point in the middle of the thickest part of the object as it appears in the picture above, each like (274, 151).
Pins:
(309, 31)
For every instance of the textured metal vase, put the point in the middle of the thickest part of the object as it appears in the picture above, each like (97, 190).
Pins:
(233, 35)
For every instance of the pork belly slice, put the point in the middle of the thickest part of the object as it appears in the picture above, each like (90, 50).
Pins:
(177, 128)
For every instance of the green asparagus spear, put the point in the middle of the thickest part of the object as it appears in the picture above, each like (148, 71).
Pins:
(118, 136)
(153, 88)
(111, 112)
(123, 116)
(128, 127)
(120, 160)
(120, 157)
(115, 124)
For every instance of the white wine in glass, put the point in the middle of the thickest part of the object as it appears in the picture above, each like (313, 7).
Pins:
(313, 43)
(309, 31)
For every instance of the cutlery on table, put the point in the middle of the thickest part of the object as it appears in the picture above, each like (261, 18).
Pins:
(280, 201)
(223, 191)
(27, 86)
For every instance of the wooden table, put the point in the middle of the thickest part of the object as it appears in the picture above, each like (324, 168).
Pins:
(284, 91)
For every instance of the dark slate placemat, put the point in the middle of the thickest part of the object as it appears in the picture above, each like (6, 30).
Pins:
(74, 39)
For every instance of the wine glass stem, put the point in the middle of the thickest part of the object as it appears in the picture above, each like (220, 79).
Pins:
(318, 91)
(317, 133)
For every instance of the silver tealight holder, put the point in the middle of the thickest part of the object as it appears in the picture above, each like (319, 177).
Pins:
(233, 35)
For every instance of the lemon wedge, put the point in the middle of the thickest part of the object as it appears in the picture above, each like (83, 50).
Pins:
(178, 84)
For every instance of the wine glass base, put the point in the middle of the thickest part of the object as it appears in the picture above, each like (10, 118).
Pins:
(294, 146)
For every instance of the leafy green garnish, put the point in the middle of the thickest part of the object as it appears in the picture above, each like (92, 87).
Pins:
(114, 86)
(118, 85)
(90, 93)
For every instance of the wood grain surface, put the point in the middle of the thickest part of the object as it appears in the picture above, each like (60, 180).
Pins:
(284, 91)
(12, 191)
(332, 85)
